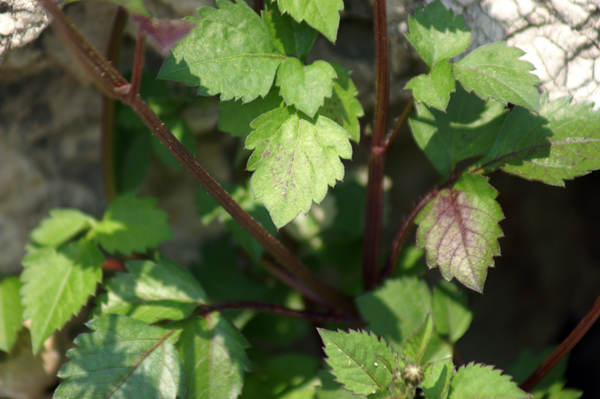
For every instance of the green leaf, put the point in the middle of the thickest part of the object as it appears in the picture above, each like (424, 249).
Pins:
(331, 389)
(476, 381)
(437, 34)
(495, 71)
(61, 226)
(415, 346)
(56, 284)
(213, 354)
(436, 383)
(235, 117)
(305, 86)
(323, 15)
(11, 312)
(434, 89)
(152, 292)
(210, 210)
(230, 52)
(467, 129)
(561, 143)
(451, 310)
(289, 36)
(131, 224)
(355, 360)
(294, 161)
(459, 230)
(123, 358)
(343, 107)
(396, 310)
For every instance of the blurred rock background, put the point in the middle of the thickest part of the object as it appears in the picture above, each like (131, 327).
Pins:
(547, 278)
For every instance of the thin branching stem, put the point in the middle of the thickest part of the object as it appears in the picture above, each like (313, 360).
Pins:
(138, 66)
(564, 348)
(108, 111)
(112, 83)
(282, 311)
(374, 206)
(400, 122)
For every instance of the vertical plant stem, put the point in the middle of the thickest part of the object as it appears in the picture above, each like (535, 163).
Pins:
(564, 348)
(110, 81)
(374, 206)
(138, 66)
(108, 111)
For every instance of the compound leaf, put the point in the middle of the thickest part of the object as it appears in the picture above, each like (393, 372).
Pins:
(289, 36)
(230, 52)
(476, 381)
(437, 34)
(434, 89)
(236, 116)
(323, 15)
(56, 284)
(561, 143)
(415, 346)
(495, 71)
(406, 300)
(451, 310)
(343, 107)
(131, 224)
(212, 351)
(355, 360)
(60, 226)
(459, 230)
(11, 312)
(305, 86)
(294, 161)
(468, 128)
(123, 358)
(152, 291)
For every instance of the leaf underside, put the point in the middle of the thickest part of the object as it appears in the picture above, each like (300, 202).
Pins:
(295, 160)
(561, 143)
(459, 230)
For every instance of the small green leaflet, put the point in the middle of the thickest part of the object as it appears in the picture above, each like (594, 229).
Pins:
(290, 37)
(434, 89)
(355, 360)
(230, 52)
(323, 15)
(459, 230)
(561, 143)
(343, 107)
(476, 381)
(60, 226)
(451, 310)
(152, 291)
(331, 389)
(123, 358)
(437, 379)
(468, 128)
(437, 34)
(495, 71)
(294, 161)
(56, 284)
(236, 116)
(305, 86)
(11, 312)
(415, 346)
(131, 224)
(213, 354)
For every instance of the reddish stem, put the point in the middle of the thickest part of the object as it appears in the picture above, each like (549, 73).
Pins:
(374, 205)
(564, 348)
(280, 310)
(110, 81)
(390, 138)
(138, 66)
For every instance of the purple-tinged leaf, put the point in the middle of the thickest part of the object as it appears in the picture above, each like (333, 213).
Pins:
(459, 230)
(165, 33)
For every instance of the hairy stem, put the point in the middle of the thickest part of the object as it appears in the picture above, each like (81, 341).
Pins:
(374, 206)
(108, 111)
(280, 310)
(138, 66)
(390, 138)
(110, 81)
(564, 348)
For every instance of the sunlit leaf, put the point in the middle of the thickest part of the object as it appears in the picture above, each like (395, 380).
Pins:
(434, 89)
(323, 15)
(476, 381)
(11, 312)
(60, 226)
